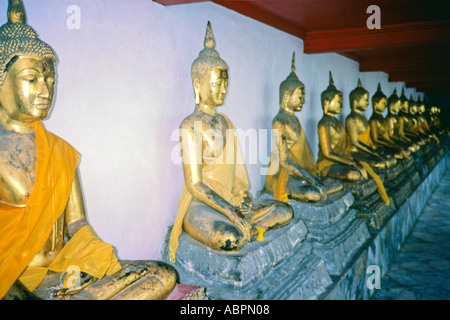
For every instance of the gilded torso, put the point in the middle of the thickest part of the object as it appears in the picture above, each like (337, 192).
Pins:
(17, 177)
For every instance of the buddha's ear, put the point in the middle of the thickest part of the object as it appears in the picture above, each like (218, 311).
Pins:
(326, 103)
(196, 85)
(285, 97)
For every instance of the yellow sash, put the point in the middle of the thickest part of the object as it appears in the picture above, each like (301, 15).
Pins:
(24, 231)
(226, 175)
(301, 154)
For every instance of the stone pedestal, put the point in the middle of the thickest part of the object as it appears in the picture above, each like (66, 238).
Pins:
(333, 230)
(281, 267)
(361, 188)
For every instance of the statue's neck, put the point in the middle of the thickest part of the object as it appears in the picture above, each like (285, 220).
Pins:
(17, 126)
(212, 110)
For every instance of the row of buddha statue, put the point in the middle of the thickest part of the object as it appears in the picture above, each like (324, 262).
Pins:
(43, 225)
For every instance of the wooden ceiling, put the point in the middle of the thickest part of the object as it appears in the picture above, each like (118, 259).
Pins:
(412, 45)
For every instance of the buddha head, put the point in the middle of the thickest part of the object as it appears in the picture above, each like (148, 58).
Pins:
(421, 106)
(359, 98)
(292, 91)
(412, 105)
(379, 100)
(27, 69)
(404, 102)
(209, 74)
(331, 98)
(393, 103)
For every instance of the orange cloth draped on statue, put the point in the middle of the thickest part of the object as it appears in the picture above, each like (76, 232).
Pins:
(226, 175)
(301, 154)
(24, 231)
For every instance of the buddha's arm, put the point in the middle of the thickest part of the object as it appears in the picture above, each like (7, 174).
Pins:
(192, 168)
(351, 125)
(75, 212)
(325, 146)
(378, 138)
(401, 128)
(286, 163)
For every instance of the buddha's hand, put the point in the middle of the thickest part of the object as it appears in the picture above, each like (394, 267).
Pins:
(241, 222)
(247, 204)
(322, 189)
(362, 170)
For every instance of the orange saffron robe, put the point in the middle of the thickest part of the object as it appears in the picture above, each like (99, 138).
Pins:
(24, 231)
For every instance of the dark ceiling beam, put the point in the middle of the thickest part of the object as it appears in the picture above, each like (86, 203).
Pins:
(398, 35)
(247, 8)
(404, 63)
(417, 76)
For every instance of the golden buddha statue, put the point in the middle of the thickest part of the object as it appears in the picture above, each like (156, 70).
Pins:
(335, 159)
(41, 201)
(296, 176)
(406, 121)
(379, 127)
(358, 129)
(215, 207)
(395, 126)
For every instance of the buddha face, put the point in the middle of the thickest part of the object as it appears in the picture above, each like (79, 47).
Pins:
(297, 99)
(363, 102)
(335, 105)
(413, 109)
(214, 87)
(380, 106)
(422, 109)
(404, 106)
(27, 93)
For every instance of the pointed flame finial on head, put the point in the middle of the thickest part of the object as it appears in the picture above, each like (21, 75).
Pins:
(359, 83)
(379, 87)
(210, 41)
(293, 62)
(16, 12)
(331, 82)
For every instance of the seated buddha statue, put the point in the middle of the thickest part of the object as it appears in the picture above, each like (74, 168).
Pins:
(379, 127)
(334, 160)
(43, 226)
(215, 207)
(395, 125)
(358, 129)
(296, 173)
(406, 120)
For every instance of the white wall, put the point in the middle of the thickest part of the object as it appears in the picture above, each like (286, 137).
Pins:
(124, 86)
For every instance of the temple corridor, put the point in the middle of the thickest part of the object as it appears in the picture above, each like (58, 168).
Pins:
(421, 270)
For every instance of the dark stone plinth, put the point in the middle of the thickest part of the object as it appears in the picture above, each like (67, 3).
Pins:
(392, 172)
(383, 246)
(281, 267)
(387, 242)
(362, 188)
(333, 230)
(374, 211)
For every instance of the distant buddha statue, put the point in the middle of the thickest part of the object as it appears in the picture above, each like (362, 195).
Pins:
(215, 207)
(379, 127)
(358, 129)
(41, 201)
(296, 174)
(395, 126)
(335, 159)
(406, 121)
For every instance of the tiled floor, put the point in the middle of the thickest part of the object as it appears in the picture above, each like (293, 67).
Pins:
(421, 270)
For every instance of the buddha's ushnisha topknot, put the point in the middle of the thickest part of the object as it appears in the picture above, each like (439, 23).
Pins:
(19, 39)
